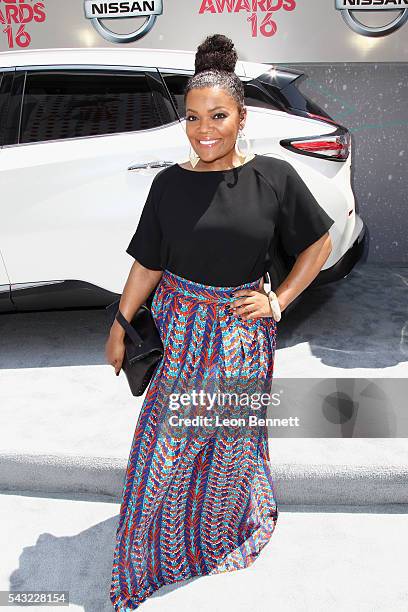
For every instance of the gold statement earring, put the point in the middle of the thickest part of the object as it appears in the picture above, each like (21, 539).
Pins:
(194, 158)
(248, 152)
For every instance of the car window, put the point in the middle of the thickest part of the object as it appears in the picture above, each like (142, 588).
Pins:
(60, 104)
(254, 95)
(176, 84)
(3, 98)
(5, 84)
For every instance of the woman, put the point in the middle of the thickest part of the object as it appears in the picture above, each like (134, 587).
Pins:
(204, 503)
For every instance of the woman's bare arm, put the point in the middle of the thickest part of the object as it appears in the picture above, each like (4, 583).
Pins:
(307, 266)
(139, 285)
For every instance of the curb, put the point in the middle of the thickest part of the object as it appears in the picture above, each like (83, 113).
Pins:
(293, 483)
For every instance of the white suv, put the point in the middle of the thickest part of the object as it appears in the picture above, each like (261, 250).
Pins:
(84, 131)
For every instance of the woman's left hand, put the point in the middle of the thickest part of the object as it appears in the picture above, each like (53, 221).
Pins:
(252, 303)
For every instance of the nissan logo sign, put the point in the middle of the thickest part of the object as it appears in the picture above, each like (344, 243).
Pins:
(348, 7)
(147, 10)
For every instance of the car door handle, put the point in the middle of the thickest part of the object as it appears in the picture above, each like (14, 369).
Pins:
(153, 164)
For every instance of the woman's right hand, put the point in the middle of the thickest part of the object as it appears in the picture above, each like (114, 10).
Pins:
(115, 351)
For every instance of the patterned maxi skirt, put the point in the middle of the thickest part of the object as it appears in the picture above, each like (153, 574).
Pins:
(200, 499)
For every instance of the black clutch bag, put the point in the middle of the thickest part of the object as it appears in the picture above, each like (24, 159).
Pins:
(143, 346)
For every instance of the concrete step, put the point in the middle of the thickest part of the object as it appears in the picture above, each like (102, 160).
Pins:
(333, 558)
(346, 481)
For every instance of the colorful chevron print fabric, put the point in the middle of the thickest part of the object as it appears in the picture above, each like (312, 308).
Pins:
(202, 503)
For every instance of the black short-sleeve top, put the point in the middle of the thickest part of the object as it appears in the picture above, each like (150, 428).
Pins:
(219, 227)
